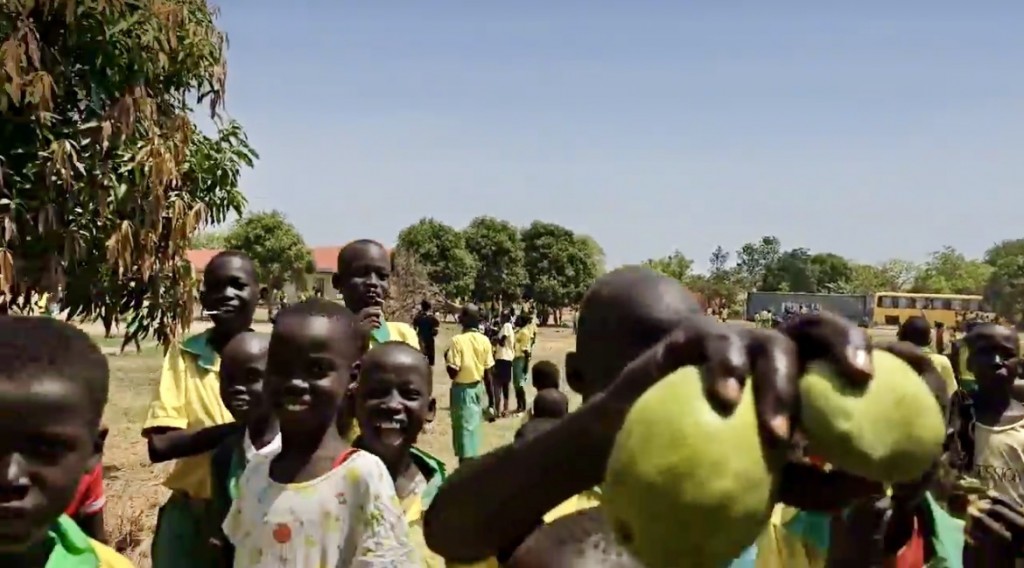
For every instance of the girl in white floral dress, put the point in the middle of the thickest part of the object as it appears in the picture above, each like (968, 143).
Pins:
(319, 503)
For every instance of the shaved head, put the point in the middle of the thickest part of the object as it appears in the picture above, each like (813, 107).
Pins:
(625, 312)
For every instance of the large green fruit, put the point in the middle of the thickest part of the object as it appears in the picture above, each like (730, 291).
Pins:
(890, 430)
(686, 486)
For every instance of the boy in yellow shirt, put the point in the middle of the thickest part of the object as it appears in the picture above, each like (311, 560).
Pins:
(53, 387)
(917, 331)
(363, 278)
(523, 337)
(469, 361)
(187, 419)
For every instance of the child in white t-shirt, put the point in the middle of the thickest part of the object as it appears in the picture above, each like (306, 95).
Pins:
(318, 503)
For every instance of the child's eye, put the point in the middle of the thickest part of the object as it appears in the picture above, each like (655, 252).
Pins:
(46, 449)
(319, 368)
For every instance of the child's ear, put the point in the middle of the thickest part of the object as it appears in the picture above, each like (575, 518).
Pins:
(97, 449)
(431, 410)
(573, 372)
(336, 281)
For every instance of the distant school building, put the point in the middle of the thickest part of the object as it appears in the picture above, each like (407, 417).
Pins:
(319, 283)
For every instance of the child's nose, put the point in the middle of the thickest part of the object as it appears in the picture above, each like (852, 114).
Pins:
(15, 470)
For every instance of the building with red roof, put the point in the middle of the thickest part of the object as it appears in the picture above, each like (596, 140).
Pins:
(325, 261)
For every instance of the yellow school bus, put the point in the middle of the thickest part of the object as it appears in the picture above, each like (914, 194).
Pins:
(893, 308)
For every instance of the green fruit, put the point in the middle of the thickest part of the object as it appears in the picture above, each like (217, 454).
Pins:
(686, 486)
(890, 430)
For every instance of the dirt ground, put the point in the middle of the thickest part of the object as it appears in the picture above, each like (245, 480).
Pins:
(134, 490)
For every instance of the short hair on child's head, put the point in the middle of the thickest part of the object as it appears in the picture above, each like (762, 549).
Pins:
(545, 375)
(347, 249)
(916, 330)
(40, 347)
(229, 254)
(550, 403)
(317, 307)
(534, 427)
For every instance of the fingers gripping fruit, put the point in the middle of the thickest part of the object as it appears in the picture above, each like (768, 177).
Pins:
(890, 429)
(684, 482)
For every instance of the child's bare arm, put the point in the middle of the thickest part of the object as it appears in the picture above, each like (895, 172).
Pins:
(166, 444)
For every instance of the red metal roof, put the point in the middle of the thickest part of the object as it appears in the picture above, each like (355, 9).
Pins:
(324, 258)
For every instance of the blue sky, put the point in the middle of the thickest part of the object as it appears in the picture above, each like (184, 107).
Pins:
(872, 129)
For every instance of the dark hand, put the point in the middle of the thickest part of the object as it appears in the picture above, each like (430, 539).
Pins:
(730, 354)
(371, 317)
(858, 537)
(995, 532)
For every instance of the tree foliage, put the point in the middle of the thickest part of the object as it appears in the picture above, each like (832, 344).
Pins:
(497, 249)
(753, 260)
(948, 271)
(675, 265)
(560, 265)
(209, 240)
(441, 249)
(410, 284)
(104, 178)
(275, 247)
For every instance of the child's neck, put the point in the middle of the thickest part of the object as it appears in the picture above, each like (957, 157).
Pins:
(306, 455)
(220, 337)
(403, 471)
(261, 430)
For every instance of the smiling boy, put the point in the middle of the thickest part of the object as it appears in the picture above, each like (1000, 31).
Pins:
(393, 401)
(53, 388)
(241, 387)
(187, 419)
(318, 502)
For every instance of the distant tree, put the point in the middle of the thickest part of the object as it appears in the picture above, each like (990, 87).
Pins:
(754, 259)
(790, 272)
(1004, 290)
(832, 273)
(596, 251)
(948, 271)
(497, 249)
(410, 285)
(209, 240)
(560, 266)
(104, 175)
(675, 265)
(899, 274)
(441, 249)
(275, 247)
(1012, 248)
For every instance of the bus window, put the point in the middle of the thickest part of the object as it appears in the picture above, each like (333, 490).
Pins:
(905, 303)
(884, 302)
(956, 305)
(940, 303)
(921, 303)
(974, 305)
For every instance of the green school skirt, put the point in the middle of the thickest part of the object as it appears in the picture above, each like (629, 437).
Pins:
(519, 371)
(184, 527)
(467, 402)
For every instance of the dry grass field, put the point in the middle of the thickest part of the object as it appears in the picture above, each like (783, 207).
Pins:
(134, 490)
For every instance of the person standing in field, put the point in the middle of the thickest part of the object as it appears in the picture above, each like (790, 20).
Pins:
(187, 419)
(523, 340)
(504, 353)
(427, 325)
(917, 331)
(470, 363)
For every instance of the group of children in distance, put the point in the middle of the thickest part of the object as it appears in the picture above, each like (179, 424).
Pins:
(271, 471)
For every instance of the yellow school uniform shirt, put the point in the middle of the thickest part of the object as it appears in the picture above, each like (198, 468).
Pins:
(945, 369)
(188, 398)
(470, 354)
(395, 331)
(108, 557)
(778, 548)
(523, 339)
